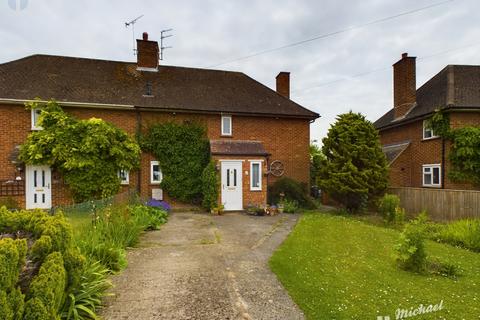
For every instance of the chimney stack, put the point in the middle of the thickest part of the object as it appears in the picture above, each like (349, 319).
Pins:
(147, 54)
(283, 84)
(404, 85)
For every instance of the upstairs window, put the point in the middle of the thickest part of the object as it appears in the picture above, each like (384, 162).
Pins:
(155, 172)
(124, 176)
(432, 175)
(255, 175)
(35, 116)
(226, 125)
(427, 132)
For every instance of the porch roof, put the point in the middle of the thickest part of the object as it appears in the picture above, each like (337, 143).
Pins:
(237, 148)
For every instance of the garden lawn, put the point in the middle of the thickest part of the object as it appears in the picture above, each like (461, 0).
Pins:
(336, 267)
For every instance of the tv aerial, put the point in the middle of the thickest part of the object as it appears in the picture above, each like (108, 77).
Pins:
(163, 35)
(132, 24)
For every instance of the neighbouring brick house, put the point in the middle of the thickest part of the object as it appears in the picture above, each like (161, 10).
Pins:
(417, 157)
(250, 126)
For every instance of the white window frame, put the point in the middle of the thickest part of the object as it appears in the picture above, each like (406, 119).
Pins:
(425, 129)
(431, 167)
(127, 177)
(34, 123)
(231, 125)
(155, 163)
(259, 162)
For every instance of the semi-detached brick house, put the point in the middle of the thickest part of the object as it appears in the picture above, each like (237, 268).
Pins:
(250, 126)
(417, 157)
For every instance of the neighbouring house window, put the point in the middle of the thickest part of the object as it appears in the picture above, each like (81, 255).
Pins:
(427, 132)
(124, 176)
(432, 175)
(255, 175)
(226, 125)
(35, 116)
(155, 172)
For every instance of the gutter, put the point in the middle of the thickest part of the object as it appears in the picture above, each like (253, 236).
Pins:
(155, 109)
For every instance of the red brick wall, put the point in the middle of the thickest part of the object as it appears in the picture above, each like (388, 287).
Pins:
(286, 140)
(404, 85)
(406, 170)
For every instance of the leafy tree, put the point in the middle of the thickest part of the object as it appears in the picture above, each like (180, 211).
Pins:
(88, 153)
(183, 151)
(210, 186)
(354, 170)
(316, 158)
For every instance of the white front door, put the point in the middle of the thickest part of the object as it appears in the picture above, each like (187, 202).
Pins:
(232, 189)
(38, 181)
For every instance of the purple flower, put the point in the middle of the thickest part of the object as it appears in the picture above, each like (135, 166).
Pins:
(159, 204)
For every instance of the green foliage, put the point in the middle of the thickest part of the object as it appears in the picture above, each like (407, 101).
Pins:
(210, 186)
(88, 153)
(41, 248)
(36, 310)
(10, 203)
(83, 302)
(183, 153)
(389, 208)
(316, 159)
(464, 155)
(291, 189)
(12, 258)
(11, 305)
(463, 233)
(410, 249)
(50, 284)
(289, 206)
(149, 218)
(355, 169)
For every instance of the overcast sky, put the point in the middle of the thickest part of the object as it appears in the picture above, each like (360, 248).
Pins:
(324, 73)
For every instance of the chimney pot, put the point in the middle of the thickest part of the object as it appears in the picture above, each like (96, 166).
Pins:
(145, 36)
(405, 55)
(283, 84)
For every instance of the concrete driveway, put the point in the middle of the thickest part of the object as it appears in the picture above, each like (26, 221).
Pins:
(205, 267)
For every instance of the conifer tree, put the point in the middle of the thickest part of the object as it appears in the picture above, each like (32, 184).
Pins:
(354, 170)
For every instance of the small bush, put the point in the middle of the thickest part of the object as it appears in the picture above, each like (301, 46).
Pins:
(387, 207)
(150, 218)
(12, 257)
(410, 249)
(399, 216)
(292, 190)
(210, 186)
(462, 233)
(443, 269)
(10, 203)
(82, 303)
(289, 206)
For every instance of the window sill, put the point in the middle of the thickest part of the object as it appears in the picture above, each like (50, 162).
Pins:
(255, 190)
(226, 136)
(431, 186)
(431, 138)
(155, 183)
(124, 183)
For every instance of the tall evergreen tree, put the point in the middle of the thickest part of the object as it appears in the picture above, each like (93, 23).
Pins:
(354, 170)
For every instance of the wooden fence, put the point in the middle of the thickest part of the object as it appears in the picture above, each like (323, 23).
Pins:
(440, 204)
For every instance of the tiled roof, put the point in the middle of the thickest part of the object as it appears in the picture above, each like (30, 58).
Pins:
(68, 79)
(237, 147)
(456, 86)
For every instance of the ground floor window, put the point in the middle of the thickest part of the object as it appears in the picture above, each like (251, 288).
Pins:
(124, 176)
(155, 172)
(432, 175)
(255, 175)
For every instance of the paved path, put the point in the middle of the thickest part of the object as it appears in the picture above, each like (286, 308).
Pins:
(205, 267)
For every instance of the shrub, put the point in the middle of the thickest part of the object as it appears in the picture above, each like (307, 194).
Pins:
(464, 233)
(292, 190)
(11, 305)
(289, 206)
(36, 310)
(10, 203)
(387, 207)
(12, 257)
(83, 301)
(210, 186)
(183, 153)
(410, 249)
(50, 284)
(354, 170)
(399, 216)
(150, 218)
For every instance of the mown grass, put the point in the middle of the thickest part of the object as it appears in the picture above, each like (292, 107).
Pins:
(336, 267)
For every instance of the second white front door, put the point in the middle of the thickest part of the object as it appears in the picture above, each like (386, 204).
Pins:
(38, 181)
(232, 197)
